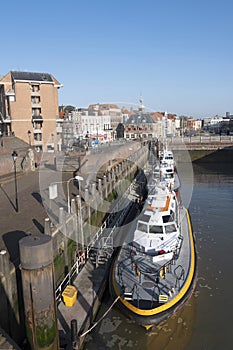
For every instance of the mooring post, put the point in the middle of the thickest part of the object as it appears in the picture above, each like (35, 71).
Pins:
(80, 222)
(47, 228)
(36, 257)
(74, 334)
(100, 188)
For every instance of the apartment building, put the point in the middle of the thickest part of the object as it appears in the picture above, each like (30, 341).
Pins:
(29, 108)
(111, 116)
(96, 124)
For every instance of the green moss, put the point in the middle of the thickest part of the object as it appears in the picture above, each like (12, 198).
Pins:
(45, 335)
(72, 245)
(59, 263)
(29, 334)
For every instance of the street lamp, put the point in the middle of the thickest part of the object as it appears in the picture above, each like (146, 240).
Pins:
(29, 137)
(53, 192)
(15, 156)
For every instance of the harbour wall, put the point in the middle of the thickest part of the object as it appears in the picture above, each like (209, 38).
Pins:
(223, 155)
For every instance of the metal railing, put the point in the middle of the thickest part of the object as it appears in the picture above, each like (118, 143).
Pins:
(75, 269)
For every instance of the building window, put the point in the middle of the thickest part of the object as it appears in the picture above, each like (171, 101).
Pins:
(35, 100)
(12, 98)
(38, 137)
(50, 148)
(35, 87)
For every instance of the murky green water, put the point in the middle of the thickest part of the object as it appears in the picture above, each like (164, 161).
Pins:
(206, 321)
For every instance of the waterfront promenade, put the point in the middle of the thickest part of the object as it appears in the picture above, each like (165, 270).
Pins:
(32, 214)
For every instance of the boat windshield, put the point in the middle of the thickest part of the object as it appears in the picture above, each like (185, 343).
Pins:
(168, 176)
(168, 218)
(170, 228)
(142, 227)
(155, 229)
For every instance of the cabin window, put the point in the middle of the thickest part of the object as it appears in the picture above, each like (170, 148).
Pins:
(155, 229)
(168, 218)
(168, 176)
(170, 228)
(142, 227)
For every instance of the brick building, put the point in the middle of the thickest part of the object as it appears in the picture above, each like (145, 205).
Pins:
(29, 108)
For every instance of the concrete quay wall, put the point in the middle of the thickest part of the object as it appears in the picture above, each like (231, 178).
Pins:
(223, 155)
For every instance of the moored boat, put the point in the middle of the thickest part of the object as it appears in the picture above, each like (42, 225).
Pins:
(165, 170)
(154, 271)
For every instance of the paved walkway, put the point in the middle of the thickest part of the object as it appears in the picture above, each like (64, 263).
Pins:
(31, 214)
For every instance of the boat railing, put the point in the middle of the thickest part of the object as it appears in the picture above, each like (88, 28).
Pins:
(161, 270)
(158, 273)
(68, 279)
(178, 247)
(155, 296)
(180, 274)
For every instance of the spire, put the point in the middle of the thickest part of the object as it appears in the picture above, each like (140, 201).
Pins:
(141, 107)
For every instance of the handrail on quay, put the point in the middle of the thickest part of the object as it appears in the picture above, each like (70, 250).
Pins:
(203, 139)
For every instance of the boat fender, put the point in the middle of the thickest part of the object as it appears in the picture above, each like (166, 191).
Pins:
(83, 258)
(137, 271)
(162, 272)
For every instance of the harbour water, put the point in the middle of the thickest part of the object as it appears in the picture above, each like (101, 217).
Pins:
(205, 322)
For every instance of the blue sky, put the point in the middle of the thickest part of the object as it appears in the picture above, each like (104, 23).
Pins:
(177, 54)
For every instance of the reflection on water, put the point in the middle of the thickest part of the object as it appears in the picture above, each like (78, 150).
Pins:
(118, 332)
(205, 322)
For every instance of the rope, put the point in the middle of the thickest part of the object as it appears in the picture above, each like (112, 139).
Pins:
(101, 318)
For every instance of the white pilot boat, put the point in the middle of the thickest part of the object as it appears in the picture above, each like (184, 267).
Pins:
(154, 271)
(166, 157)
(165, 170)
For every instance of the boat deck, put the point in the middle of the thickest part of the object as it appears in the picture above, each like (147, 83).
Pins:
(147, 284)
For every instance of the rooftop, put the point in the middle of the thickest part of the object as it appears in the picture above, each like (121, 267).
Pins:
(139, 118)
(31, 76)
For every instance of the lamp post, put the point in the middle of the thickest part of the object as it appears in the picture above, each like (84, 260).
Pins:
(29, 137)
(15, 156)
(79, 178)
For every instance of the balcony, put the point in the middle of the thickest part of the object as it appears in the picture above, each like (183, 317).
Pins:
(38, 143)
(35, 93)
(37, 118)
(10, 92)
(59, 129)
(6, 119)
(37, 131)
(36, 105)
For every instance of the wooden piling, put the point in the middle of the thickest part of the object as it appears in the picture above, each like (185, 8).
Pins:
(36, 258)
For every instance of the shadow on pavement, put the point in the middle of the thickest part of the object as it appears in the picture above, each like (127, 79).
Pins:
(37, 197)
(11, 240)
(38, 225)
(9, 199)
